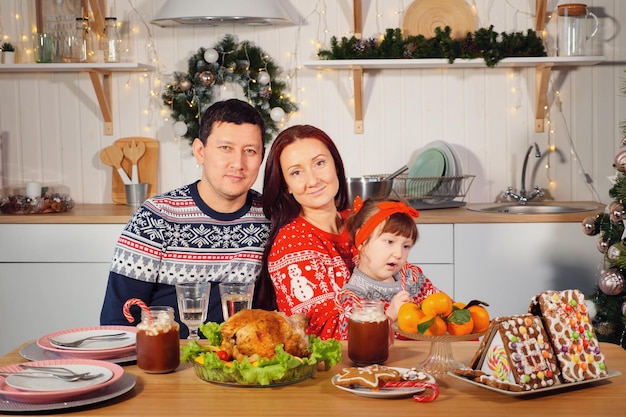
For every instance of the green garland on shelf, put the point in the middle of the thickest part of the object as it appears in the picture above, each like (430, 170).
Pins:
(243, 63)
(484, 43)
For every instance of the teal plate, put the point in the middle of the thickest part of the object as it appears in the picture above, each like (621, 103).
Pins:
(431, 163)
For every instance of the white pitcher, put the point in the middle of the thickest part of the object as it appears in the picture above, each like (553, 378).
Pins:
(572, 33)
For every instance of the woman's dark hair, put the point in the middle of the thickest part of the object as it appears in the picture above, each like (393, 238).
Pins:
(400, 224)
(229, 111)
(281, 207)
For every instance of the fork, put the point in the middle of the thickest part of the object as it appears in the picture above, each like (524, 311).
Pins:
(76, 343)
(48, 369)
(41, 374)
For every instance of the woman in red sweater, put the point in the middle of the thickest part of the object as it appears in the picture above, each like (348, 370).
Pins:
(309, 255)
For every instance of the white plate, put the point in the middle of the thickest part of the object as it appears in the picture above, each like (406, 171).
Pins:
(442, 146)
(94, 344)
(107, 353)
(122, 386)
(66, 394)
(50, 383)
(34, 352)
(558, 387)
(386, 393)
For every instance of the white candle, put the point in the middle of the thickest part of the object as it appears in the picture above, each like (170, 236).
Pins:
(33, 189)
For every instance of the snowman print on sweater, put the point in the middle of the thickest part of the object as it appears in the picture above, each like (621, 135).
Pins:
(301, 288)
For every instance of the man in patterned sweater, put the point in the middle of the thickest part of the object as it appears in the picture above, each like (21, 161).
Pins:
(211, 230)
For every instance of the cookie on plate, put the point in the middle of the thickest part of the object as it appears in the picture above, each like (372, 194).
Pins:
(367, 376)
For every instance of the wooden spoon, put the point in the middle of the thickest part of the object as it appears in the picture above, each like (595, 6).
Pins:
(133, 151)
(112, 156)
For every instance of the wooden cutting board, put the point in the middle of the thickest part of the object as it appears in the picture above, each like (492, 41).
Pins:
(423, 16)
(148, 168)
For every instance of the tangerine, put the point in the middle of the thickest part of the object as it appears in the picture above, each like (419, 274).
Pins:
(480, 316)
(437, 303)
(460, 322)
(409, 315)
(432, 326)
(458, 329)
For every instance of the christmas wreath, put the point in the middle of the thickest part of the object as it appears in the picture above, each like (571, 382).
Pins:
(243, 63)
(484, 43)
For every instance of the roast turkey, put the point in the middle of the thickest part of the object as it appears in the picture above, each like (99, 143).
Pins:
(253, 332)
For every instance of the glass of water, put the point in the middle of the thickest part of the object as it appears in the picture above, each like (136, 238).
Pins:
(193, 305)
(235, 297)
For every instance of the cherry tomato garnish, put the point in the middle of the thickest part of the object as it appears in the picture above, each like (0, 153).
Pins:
(222, 355)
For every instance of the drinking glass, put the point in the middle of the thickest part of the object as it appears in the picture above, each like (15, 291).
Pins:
(235, 297)
(193, 305)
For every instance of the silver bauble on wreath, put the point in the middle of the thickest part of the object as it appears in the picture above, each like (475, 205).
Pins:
(211, 55)
(624, 309)
(206, 78)
(184, 85)
(611, 282)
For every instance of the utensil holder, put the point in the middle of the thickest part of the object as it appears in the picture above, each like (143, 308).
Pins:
(136, 193)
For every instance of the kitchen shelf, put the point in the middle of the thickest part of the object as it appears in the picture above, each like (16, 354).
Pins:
(543, 66)
(367, 64)
(100, 74)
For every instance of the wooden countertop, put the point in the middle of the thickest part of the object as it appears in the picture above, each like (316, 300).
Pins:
(120, 214)
(182, 392)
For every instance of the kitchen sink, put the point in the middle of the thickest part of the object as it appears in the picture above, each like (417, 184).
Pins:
(534, 208)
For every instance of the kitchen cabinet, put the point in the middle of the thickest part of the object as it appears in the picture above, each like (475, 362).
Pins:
(99, 73)
(507, 264)
(543, 67)
(434, 254)
(52, 277)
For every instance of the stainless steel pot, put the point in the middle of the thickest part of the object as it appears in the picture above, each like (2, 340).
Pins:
(369, 186)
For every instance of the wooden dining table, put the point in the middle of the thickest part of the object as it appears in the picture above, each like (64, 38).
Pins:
(183, 393)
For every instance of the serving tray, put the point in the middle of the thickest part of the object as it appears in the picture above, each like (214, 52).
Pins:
(548, 390)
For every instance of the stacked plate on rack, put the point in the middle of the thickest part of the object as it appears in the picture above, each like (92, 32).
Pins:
(436, 175)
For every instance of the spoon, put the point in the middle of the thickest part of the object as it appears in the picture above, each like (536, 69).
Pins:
(78, 342)
(112, 156)
(395, 173)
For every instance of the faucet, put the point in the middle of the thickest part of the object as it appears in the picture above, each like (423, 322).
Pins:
(523, 197)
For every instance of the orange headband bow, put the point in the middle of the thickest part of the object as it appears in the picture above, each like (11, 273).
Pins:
(385, 209)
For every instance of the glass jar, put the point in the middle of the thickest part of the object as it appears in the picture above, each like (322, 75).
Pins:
(111, 40)
(77, 43)
(368, 333)
(158, 341)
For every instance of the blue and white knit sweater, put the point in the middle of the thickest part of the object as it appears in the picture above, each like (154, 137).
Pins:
(176, 237)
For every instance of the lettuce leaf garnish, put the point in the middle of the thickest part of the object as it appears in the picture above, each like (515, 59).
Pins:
(282, 367)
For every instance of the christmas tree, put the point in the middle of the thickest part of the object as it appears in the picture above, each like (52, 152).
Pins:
(609, 295)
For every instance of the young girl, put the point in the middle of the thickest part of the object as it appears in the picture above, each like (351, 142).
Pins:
(384, 232)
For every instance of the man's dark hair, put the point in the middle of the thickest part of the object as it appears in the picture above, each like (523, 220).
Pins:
(229, 111)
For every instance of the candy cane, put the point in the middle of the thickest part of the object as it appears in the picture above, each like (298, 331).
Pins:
(427, 398)
(346, 293)
(135, 301)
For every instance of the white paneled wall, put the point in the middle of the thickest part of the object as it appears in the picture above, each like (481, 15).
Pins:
(52, 127)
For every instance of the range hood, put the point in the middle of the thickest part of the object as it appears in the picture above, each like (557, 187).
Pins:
(217, 12)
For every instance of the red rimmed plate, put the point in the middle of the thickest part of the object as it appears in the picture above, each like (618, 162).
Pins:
(38, 397)
(106, 351)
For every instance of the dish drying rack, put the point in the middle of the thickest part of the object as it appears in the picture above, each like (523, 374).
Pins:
(432, 192)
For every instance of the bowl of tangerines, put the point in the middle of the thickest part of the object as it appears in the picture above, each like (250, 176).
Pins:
(440, 320)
